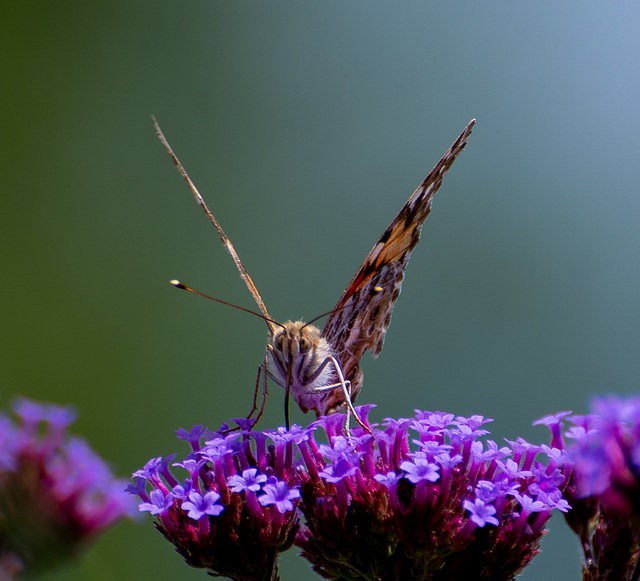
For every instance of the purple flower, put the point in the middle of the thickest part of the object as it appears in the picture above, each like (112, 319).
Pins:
(389, 480)
(342, 468)
(280, 495)
(197, 506)
(194, 436)
(554, 423)
(453, 514)
(420, 469)
(481, 512)
(218, 524)
(160, 502)
(487, 491)
(56, 493)
(181, 491)
(250, 480)
(420, 498)
(604, 489)
(528, 504)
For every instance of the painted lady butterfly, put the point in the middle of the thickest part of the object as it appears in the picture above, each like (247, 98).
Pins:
(320, 368)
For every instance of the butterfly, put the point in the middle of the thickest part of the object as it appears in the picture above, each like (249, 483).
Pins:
(320, 369)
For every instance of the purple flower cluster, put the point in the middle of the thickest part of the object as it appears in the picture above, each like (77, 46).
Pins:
(56, 494)
(604, 488)
(235, 510)
(420, 498)
(424, 498)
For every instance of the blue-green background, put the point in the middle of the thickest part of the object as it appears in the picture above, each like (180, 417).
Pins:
(307, 125)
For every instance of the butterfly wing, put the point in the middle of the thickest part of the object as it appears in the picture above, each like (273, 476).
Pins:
(360, 319)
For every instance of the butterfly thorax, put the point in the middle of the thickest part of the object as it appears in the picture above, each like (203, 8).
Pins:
(298, 355)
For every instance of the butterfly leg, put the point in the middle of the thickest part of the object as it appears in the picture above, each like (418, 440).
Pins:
(347, 397)
(262, 374)
(346, 390)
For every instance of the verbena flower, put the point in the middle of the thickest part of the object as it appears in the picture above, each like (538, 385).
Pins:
(604, 489)
(421, 498)
(56, 494)
(235, 509)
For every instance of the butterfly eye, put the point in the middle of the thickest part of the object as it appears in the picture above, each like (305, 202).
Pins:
(279, 342)
(305, 344)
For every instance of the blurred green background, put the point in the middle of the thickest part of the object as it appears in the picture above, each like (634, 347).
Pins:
(307, 125)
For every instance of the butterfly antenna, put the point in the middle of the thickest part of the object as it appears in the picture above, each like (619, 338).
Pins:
(181, 286)
(225, 240)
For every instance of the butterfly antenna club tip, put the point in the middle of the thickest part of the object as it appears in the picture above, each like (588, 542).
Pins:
(177, 284)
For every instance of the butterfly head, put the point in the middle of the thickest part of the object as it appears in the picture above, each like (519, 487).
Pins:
(293, 341)
(298, 354)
